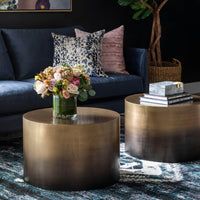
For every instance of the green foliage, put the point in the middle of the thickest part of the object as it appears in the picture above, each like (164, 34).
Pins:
(140, 8)
(92, 93)
(83, 96)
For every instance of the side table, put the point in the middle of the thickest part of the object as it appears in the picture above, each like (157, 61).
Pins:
(167, 134)
(78, 155)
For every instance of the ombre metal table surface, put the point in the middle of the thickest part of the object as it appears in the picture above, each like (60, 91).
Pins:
(71, 155)
(167, 134)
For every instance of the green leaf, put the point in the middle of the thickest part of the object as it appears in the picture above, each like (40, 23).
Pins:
(86, 86)
(137, 14)
(59, 85)
(137, 5)
(83, 96)
(125, 2)
(146, 14)
(134, 7)
(65, 65)
(92, 93)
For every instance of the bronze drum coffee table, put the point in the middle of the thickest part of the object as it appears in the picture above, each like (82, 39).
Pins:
(168, 134)
(78, 155)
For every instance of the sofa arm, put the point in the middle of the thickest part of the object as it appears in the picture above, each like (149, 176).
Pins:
(136, 63)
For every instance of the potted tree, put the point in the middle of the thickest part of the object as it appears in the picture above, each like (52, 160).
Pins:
(158, 70)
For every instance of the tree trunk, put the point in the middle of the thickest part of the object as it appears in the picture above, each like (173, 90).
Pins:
(155, 51)
(154, 47)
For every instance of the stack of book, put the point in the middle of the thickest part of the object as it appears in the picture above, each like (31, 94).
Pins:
(166, 93)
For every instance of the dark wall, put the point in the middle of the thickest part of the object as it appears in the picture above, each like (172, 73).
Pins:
(179, 26)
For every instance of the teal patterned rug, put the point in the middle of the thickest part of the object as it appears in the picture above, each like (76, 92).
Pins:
(139, 180)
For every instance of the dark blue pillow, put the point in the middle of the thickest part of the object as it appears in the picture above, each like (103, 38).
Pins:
(6, 70)
(32, 50)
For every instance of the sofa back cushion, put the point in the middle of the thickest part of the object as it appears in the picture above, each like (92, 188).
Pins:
(6, 70)
(31, 50)
(84, 51)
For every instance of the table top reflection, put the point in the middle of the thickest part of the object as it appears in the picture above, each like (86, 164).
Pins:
(85, 116)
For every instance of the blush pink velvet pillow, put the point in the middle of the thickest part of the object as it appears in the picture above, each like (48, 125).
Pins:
(112, 56)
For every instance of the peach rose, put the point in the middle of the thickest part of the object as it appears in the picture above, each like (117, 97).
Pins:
(73, 89)
(65, 94)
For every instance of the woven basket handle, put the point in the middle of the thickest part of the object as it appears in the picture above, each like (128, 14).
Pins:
(176, 61)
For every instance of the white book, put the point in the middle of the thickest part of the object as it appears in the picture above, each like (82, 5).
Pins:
(169, 97)
(163, 105)
(165, 102)
(165, 88)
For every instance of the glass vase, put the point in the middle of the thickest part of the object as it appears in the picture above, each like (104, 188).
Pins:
(64, 108)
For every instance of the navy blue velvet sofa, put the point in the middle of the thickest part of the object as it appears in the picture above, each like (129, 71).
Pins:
(25, 52)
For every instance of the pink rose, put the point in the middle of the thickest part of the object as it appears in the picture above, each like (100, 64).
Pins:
(52, 84)
(76, 81)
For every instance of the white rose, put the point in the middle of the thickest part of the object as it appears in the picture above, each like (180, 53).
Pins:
(57, 68)
(57, 76)
(77, 73)
(73, 89)
(40, 87)
(44, 93)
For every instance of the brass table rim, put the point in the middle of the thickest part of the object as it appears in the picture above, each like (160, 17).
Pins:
(197, 98)
(115, 115)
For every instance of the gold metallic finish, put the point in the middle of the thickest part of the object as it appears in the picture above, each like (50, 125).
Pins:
(79, 155)
(168, 134)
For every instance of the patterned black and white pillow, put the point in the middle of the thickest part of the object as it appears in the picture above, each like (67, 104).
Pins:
(84, 51)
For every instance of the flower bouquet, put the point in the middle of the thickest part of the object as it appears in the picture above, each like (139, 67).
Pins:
(66, 84)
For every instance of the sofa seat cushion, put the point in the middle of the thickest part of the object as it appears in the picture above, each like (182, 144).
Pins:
(117, 85)
(19, 97)
(114, 85)
(11, 126)
(31, 50)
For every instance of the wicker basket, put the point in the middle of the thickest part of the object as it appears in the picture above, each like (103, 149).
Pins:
(170, 71)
